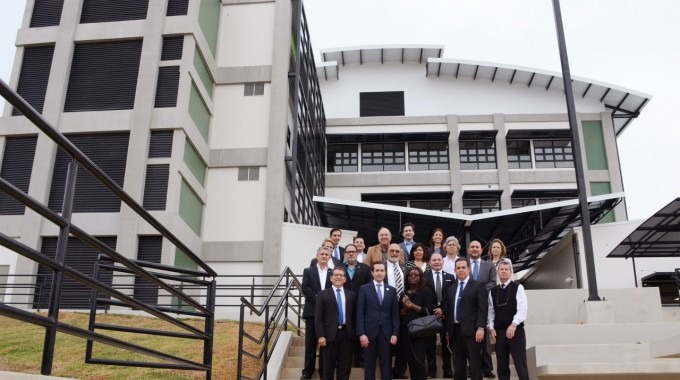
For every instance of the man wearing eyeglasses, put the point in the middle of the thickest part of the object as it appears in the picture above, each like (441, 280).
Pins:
(507, 313)
(357, 274)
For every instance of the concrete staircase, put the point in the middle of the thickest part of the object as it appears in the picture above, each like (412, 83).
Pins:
(294, 362)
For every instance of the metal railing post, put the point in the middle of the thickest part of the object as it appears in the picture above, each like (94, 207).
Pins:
(209, 329)
(267, 326)
(239, 356)
(58, 279)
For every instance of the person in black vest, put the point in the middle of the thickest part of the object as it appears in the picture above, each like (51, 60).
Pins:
(507, 313)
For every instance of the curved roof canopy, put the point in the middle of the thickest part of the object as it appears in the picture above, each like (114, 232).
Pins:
(624, 104)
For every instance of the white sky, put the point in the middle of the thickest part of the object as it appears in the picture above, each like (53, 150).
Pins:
(633, 44)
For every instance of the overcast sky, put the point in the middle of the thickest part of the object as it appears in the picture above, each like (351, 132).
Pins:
(633, 44)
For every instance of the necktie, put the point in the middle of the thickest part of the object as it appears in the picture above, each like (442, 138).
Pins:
(475, 270)
(379, 293)
(398, 283)
(438, 289)
(460, 295)
(336, 253)
(338, 297)
(502, 286)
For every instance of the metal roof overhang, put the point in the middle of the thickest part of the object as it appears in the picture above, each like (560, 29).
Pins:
(658, 236)
(528, 232)
(625, 105)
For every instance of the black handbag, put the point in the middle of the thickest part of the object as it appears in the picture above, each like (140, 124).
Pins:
(424, 327)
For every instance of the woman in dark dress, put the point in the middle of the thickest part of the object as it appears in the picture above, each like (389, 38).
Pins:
(416, 303)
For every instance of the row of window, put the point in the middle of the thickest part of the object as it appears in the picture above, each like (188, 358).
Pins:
(488, 203)
(473, 155)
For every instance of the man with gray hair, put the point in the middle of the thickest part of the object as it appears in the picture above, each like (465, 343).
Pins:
(452, 249)
(505, 323)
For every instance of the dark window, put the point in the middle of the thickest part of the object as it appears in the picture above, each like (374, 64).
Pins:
(156, 187)
(382, 157)
(109, 152)
(149, 250)
(160, 144)
(343, 158)
(177, 7)
(253, 89)
(166, 87)
(519, 154)
(17, 165)
(481, 202)
(428, 156)
(103, 76)
(523, 202)
(172, 48)
(381, 103)
(109, 11)
(79, 256)
(35, 73)
(553, 154)
(443, 205)
(477, 154)
(46, 13)
(437, 201)
(523, 198)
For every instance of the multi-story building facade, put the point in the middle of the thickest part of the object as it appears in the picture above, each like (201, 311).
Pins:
(210, 114)
(219, 135)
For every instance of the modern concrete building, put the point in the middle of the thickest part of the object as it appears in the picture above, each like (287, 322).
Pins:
(213, 115)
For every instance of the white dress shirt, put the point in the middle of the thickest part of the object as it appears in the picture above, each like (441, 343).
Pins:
(323, 275)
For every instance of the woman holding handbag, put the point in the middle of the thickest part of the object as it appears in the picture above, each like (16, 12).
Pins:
(415, 303)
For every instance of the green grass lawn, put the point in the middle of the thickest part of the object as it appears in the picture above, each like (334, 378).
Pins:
(21, 346)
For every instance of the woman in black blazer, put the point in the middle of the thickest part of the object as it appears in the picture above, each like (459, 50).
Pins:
(415, 303)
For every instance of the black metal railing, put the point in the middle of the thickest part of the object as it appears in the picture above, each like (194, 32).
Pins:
(677, 284)
(285, 296)
(201, 304)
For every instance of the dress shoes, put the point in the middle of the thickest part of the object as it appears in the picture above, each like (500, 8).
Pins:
(448, 375)
(489, 375)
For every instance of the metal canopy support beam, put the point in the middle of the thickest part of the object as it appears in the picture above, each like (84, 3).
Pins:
(578, 161)
(493, 77)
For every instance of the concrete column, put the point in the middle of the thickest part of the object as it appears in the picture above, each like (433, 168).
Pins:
(502, 161)
(454, 164)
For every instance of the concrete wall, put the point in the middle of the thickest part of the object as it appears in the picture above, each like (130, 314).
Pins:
(438, 96)
(246, 35)
(299, 244)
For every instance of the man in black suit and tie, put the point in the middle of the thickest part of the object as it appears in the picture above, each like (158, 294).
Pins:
(377, 322)
(465, 311)
(484, 272)
(439, 282)
(314, 280)
(334, 318)
(338, 252)
(358, 274)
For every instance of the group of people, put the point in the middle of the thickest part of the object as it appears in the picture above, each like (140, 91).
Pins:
(358, 306)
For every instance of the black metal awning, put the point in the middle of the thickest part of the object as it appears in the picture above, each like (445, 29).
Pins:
(528, 232)
(658, 236)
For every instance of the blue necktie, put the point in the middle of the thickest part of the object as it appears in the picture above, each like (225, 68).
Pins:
(340, 313)
(379, 293)
(460, 295)
(475, 270)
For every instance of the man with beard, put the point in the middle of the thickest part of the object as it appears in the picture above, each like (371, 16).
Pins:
(358, 274)
(484, 272)
(378, 253)
(314, 280)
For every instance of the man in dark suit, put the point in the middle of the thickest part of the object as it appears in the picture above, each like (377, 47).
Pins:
(334, 318)
(314, 280)
(407, 232)
(338, 252)
(465, 310)
(484, 272)
(446, 280)
(358, 274)
(377, 322)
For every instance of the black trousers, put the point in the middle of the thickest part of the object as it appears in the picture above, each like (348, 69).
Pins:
(517, 347)
(337, 357)
(487, 364)
(415, 348)
(466, 349)
(381, 349)
(311, 343)
(432, 353)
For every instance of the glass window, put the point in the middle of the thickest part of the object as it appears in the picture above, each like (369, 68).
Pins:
(342, 158)
(253, 89)
(523, 202)
(383, 157)
(477, 154)
(428, 156)
(519, 154)
(553, 154)
(480, 206)
(248, 173)
(438, 205)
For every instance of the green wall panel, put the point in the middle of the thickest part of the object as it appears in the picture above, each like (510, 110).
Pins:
(190, 208)
(199, 112)
(202, 70)
(183, 261)
(596, 153)
(601, 188)
(208, 19)
(194, 162)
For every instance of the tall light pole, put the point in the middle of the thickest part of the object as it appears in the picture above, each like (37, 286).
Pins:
(578, 162)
